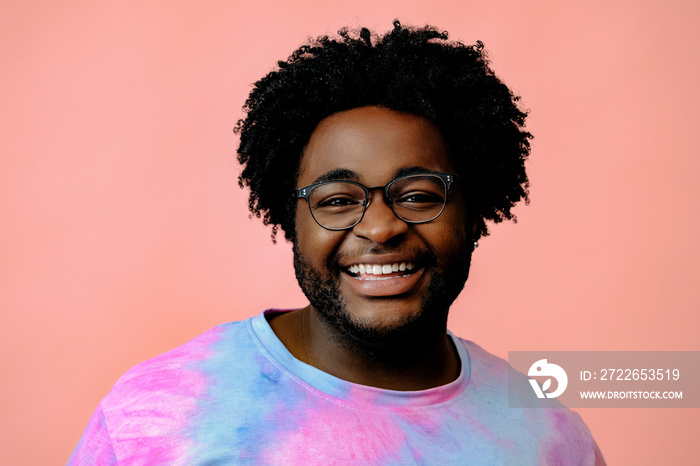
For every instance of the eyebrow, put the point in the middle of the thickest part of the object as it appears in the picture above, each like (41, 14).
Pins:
(410, 170)
(341, 174)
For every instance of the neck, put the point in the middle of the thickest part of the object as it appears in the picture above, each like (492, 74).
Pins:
(414, 359)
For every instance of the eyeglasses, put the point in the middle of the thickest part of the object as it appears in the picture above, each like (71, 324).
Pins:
(414, 198)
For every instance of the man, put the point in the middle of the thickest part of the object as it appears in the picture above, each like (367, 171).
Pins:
(380, 159)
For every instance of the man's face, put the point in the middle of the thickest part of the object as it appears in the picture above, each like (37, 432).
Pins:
(372, 145)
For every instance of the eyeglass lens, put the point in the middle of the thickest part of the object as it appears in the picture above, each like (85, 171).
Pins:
(415, 198)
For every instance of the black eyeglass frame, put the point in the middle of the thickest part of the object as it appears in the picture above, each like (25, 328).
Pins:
(447, 179)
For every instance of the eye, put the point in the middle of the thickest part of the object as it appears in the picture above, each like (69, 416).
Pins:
(418, 201)
(338, 205)
(418, 193)
(337, 201)
(419, 197)
(336, 197)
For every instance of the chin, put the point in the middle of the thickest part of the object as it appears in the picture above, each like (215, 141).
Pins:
(384, 316)
(379, 336)
(385, 333)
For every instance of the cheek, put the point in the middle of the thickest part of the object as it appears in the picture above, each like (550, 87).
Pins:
(453, 242)
(316, 244)
(452, 238)
(300, 222)
(304, 230)
(463, 223)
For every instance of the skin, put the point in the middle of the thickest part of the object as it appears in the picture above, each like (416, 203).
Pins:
(402, 342)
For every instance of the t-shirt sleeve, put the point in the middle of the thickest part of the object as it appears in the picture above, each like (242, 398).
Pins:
(95, 446)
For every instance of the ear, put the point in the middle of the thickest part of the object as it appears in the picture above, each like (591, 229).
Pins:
(472, 224)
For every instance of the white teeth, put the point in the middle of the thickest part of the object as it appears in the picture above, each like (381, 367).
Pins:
(384, 269)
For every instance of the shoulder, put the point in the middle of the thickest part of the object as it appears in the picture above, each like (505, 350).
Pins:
(153, 402)
(560, 434)
(176, 366)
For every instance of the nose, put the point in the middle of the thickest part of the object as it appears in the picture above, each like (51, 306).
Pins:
(379, 223)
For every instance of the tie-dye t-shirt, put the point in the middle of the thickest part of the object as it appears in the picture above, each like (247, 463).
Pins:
(235, 395)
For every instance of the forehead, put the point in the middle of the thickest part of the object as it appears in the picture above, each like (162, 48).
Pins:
(374, 144)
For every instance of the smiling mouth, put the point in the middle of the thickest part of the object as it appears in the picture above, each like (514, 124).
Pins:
(380, 271)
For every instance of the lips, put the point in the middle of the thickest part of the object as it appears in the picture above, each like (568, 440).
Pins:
(373, 278)
(377, 271)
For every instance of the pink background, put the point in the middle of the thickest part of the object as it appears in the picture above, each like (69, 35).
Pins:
(124, 232)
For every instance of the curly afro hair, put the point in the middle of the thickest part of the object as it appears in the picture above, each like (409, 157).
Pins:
(415, 70)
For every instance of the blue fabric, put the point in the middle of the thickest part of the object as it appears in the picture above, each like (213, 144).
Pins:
(235, 395)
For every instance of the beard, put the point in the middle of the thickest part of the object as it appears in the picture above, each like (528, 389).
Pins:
(397, 344)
